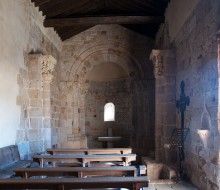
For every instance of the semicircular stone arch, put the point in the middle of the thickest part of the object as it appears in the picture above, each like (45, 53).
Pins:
(80, 56)
(94, 55)
(102, 57)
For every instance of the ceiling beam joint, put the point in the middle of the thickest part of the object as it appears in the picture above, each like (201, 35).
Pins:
(94, 20)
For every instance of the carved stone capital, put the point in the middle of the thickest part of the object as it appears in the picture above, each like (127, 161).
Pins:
(69, 86)
(47, 67)
(158, 57)
(83, 88)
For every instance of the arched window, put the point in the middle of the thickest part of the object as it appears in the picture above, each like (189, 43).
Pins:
(109, 112)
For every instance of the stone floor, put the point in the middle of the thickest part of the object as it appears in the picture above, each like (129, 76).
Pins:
(181, 185)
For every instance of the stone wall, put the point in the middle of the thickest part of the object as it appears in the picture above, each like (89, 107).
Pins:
(22, 33)
(134, 114)
(142, 138)
(55, 104)
(178, 12)
(72, 127)
(106, 44)
(38, 105)
(165, 119)
(196, 54)
(100, 93)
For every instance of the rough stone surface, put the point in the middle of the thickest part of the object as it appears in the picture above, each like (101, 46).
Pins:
(197, 64)
(82, 100)
(164, 67)
(36, 108)
(61, 105)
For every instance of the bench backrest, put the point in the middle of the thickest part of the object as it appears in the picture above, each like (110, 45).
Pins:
(9, 155)
(133, 183)
(82, 171)
(90, 151)
(84, 159)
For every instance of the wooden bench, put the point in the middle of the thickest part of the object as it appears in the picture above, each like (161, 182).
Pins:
(9, 160)
(85, 160)
(82, 171)
(90, 151)
(133, 183)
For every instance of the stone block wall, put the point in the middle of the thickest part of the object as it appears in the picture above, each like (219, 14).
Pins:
(72, 128)
(22, 32)
(196, 55)
(36, 101)
(80, 54)
(55, 106)
(142, 138)
(165, 119)
(196, 58)
(38, 94)
(100, 93)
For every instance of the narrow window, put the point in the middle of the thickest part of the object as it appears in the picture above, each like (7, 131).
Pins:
(109, 112)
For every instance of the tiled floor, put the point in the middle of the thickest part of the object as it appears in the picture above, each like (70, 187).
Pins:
(181, 185)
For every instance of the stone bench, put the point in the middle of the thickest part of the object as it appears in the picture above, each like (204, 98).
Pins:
(159, 173)
(9, 160)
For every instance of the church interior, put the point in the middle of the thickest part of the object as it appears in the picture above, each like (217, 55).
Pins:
(99, 74)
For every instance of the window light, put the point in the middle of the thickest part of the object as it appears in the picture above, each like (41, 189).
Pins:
(109, 112)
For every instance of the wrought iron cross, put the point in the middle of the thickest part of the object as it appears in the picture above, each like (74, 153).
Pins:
(181, 106)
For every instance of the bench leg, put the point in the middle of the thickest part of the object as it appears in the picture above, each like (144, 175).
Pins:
(41, 163)
(61, 187)
(138, 186)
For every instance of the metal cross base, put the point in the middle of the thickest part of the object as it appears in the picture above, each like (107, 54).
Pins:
(179, 135)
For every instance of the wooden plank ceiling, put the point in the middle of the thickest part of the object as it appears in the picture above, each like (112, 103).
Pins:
(70, 17)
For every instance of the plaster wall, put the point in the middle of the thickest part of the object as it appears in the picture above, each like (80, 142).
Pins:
(17, 20)
(178, 11)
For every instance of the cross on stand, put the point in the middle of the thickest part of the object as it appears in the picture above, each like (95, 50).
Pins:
(181, 106)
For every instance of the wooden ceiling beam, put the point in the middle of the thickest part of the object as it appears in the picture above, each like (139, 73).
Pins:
(151, 5)
(70, 34)
(107, 6)
(61, 7)
(92, 20)
(67, 32)
(40, 2)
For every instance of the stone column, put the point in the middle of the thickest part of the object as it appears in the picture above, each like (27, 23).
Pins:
(82, 91)
(72, 120)
(40, 72)
(47, 63)
(164, 72)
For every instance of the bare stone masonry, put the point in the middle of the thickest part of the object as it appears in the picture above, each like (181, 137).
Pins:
(164, 71)
(196, 58)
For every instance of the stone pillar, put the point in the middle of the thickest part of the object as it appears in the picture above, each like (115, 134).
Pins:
(47, 63)
(40, 72)
(164, 72)
(82, 91)
(72, 120)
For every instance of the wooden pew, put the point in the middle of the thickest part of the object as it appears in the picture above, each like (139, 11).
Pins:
(10, 159)
(90, 151)
(133, 183)
(82, 171)
(84, 159)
